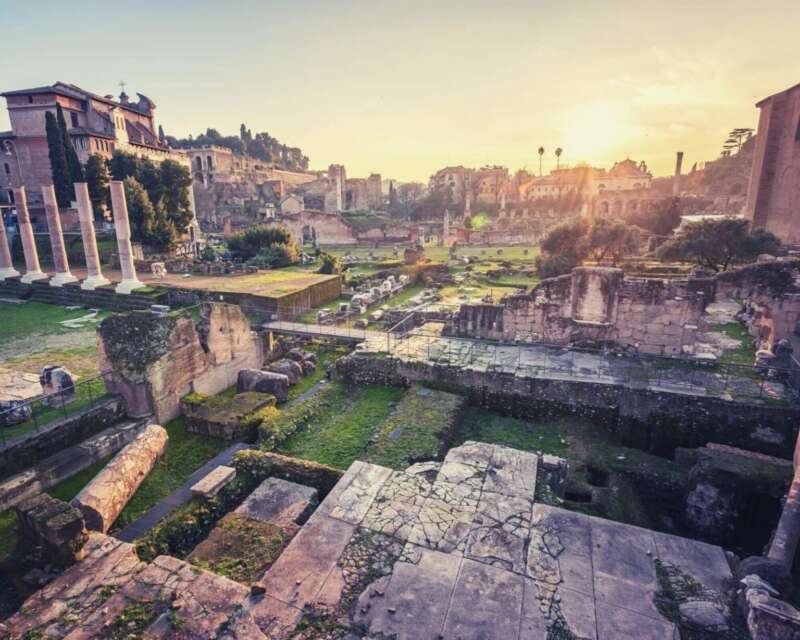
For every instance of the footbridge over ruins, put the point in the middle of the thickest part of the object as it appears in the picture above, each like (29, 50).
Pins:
(328, 332)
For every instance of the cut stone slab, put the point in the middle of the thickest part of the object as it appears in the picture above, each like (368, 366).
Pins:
(623, 551)
(352, 496)
(210, 485)
(541, 611)
(615, 623)
(486, 603)
(279, 502)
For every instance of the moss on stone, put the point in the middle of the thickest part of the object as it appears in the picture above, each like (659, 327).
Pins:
(134, 619)
(135, 340)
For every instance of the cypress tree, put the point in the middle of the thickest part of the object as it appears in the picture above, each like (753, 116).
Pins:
(74, 165)
(97, 181)
(161, 133)
(58, 161)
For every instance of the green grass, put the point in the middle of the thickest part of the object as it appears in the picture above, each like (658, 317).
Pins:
(22, 320)
(87, 395)
(185, 453)
(416, 429)
(8, 532)
(482, 425)
(340, 432)
(745, 354)
(67, 489)
(325, 354)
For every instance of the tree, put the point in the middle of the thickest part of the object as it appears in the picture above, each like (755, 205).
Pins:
(96, 172)
(718, 243)
(148, 225)
(58, 161)
(662, 220)
(609, 238)
(559, 151)
(250, 243)
(392, 196)
(176, 180)
(123, 165)
(330, 264)
(541, 153)
(161, 135)
(73, 164)
(563, 248)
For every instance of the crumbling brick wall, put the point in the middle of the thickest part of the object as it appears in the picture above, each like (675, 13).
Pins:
(599, 304)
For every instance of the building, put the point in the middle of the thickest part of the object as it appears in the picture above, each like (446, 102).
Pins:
(773, 199)
(457, 179)
(96, 124)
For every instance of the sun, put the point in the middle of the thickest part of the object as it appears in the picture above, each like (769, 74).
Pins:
(592, 130)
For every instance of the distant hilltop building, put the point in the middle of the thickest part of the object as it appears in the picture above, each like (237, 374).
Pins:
(773, 199)
(96, 124)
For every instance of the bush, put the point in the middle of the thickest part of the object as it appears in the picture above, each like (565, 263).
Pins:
(330, 264)
(252, 242)
(558, 265)
(276, 256)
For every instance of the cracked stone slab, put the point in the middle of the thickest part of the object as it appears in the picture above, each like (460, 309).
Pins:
(299, 573)
(623, 551)
(501, 532)
(415, 600)
(352, 496)
(486, 603)
(274, 618)
(476, 454)
(442, 525)
(396, 507)
(545, 607)
(512, 473)
(462, 473)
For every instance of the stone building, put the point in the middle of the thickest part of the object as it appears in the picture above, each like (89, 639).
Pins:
(96, 125)
(773, 200)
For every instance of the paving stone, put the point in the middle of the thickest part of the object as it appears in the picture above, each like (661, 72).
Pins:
(512, 473)
(396, 507)
(609, 590)
(416, 598)
(274, 618)
(486, 604)
(623, 551)
(544, 607)
(359, 486)
(441, 525)
(501, 532)
(614, 623)
(706, 563)
(476, 454)
(300, 571)
(279, 502)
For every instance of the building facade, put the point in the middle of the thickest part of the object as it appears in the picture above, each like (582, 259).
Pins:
(773, 199)
(96, 125)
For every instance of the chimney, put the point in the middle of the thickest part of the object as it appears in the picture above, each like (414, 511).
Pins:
(676, 183)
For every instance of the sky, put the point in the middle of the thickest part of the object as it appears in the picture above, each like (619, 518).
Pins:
(405, 88)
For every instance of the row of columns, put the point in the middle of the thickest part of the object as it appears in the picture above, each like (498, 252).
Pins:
(95, 278)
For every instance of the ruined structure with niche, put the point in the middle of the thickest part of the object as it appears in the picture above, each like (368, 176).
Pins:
(172, 356)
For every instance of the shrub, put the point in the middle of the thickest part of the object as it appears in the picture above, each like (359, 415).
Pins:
(252, 242)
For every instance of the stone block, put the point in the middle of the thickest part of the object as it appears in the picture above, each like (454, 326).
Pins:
(264, 382)
(227, 418)
(14, 411)
(53, 526)
(209, 485)
(58, 386)
(280, 502)
(289, 368)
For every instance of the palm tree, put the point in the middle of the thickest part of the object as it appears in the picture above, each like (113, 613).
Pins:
(541, 153)
(559, 151)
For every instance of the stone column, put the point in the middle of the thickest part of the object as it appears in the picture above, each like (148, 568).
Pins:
(32, 269)
(94, 277)
(123, 230)
(787, 534)
(7, 269)
(60, 261)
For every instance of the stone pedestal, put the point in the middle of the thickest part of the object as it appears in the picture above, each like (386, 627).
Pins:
(94, 276)
(60, 261)
(33, 271)
(7, 269)
(123, 229)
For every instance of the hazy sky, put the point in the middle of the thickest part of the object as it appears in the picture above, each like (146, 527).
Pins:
(404, 88)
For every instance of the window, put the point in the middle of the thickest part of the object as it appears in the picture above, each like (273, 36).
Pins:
(7, 168)
(74, 118)
(199, 162)
(209, 163)
(30, 99)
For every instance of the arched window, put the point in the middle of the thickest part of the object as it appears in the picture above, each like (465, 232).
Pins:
(7, 168)
(209, 164)
(199, 162)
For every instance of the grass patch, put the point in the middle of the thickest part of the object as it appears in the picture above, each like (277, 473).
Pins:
(41, 318)
(325, 354)
(8, 532)
(67, 489)
(240, 548)
(417, 429)
(338, 431)
(746, 352)
(482, 425)
(185, 453)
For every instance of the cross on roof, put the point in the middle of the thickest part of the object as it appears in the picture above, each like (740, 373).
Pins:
(122, 84)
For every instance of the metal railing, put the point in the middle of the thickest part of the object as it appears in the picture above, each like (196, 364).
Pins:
(41, 412)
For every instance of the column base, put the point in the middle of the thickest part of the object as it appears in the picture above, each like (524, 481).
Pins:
(10, 272)
(92, 282)
(33, 276)
(127, 286)
(62, 278)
